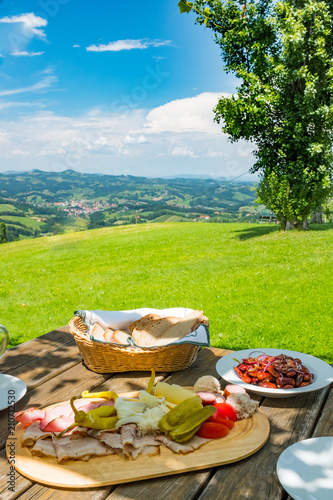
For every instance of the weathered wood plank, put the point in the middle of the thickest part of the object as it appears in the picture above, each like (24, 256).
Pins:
(21, 484)
(38, 492)
(179, 487)
(203, 365)
(324, 426)
(36, 348)
(42, 368)
(291, 420)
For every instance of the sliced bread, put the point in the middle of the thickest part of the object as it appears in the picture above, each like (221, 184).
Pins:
(121, 337)
(186, 325)
(153, 330)
(141, 323)
(116, 336)
(97, 331)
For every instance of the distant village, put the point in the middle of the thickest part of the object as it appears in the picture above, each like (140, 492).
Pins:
(83, 208)
(80, 208)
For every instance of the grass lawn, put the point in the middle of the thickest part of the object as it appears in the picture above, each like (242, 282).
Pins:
(258, 286)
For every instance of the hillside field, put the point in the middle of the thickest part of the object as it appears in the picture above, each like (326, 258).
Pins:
(258, 286)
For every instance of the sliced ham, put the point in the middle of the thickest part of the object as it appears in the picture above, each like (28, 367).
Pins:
(44, 448)
(29, 416)
(55, 412)
(78, 447)
(59, 424)
(92, 405)
(65, 410)
(33, 414)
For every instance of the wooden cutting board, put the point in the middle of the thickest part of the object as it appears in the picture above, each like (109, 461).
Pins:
(247, 437)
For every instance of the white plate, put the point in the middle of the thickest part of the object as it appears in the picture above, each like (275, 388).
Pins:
(305, 469)
(323, 372)
(10, 387)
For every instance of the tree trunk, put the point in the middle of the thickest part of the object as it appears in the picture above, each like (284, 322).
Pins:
(305, 225)
(290, 225)
(317, 217)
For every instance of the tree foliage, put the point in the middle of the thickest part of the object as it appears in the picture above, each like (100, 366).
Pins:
(3, 233)
(282, 54)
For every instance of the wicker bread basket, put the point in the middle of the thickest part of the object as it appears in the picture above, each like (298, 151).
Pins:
(109, 358)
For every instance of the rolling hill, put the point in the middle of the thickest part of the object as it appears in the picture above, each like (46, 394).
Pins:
(36, 203)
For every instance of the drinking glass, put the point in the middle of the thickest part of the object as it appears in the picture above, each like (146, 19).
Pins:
(4, 337)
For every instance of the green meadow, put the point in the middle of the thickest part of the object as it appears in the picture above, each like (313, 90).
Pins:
(258, 286)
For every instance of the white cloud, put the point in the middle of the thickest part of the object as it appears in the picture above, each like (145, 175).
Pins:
(183, 151)
(128, 44)
(130, 139)
(185, 115)
(32, 25)
(44, 83)
(175, 138)
(26, 53)
(76, 45)
(18, 104)
(215, 154)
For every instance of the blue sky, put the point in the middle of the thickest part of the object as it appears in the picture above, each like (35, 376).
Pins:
(112, 87)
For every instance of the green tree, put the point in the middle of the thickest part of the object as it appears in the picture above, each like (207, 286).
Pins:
(3, 233)
(282, 54)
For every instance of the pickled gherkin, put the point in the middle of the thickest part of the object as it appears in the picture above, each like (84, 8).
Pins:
(183, 421)
(189, 427)
(180, 413)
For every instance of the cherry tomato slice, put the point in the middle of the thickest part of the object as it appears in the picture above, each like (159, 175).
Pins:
(224, 410)
(212, 430)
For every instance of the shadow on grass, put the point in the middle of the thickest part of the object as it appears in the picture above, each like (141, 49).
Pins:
(255, 232)
(262, 230)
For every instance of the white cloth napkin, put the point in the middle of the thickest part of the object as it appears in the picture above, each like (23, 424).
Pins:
(120, 320)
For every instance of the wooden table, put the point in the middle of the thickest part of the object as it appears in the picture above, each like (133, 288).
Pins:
(53, 370)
